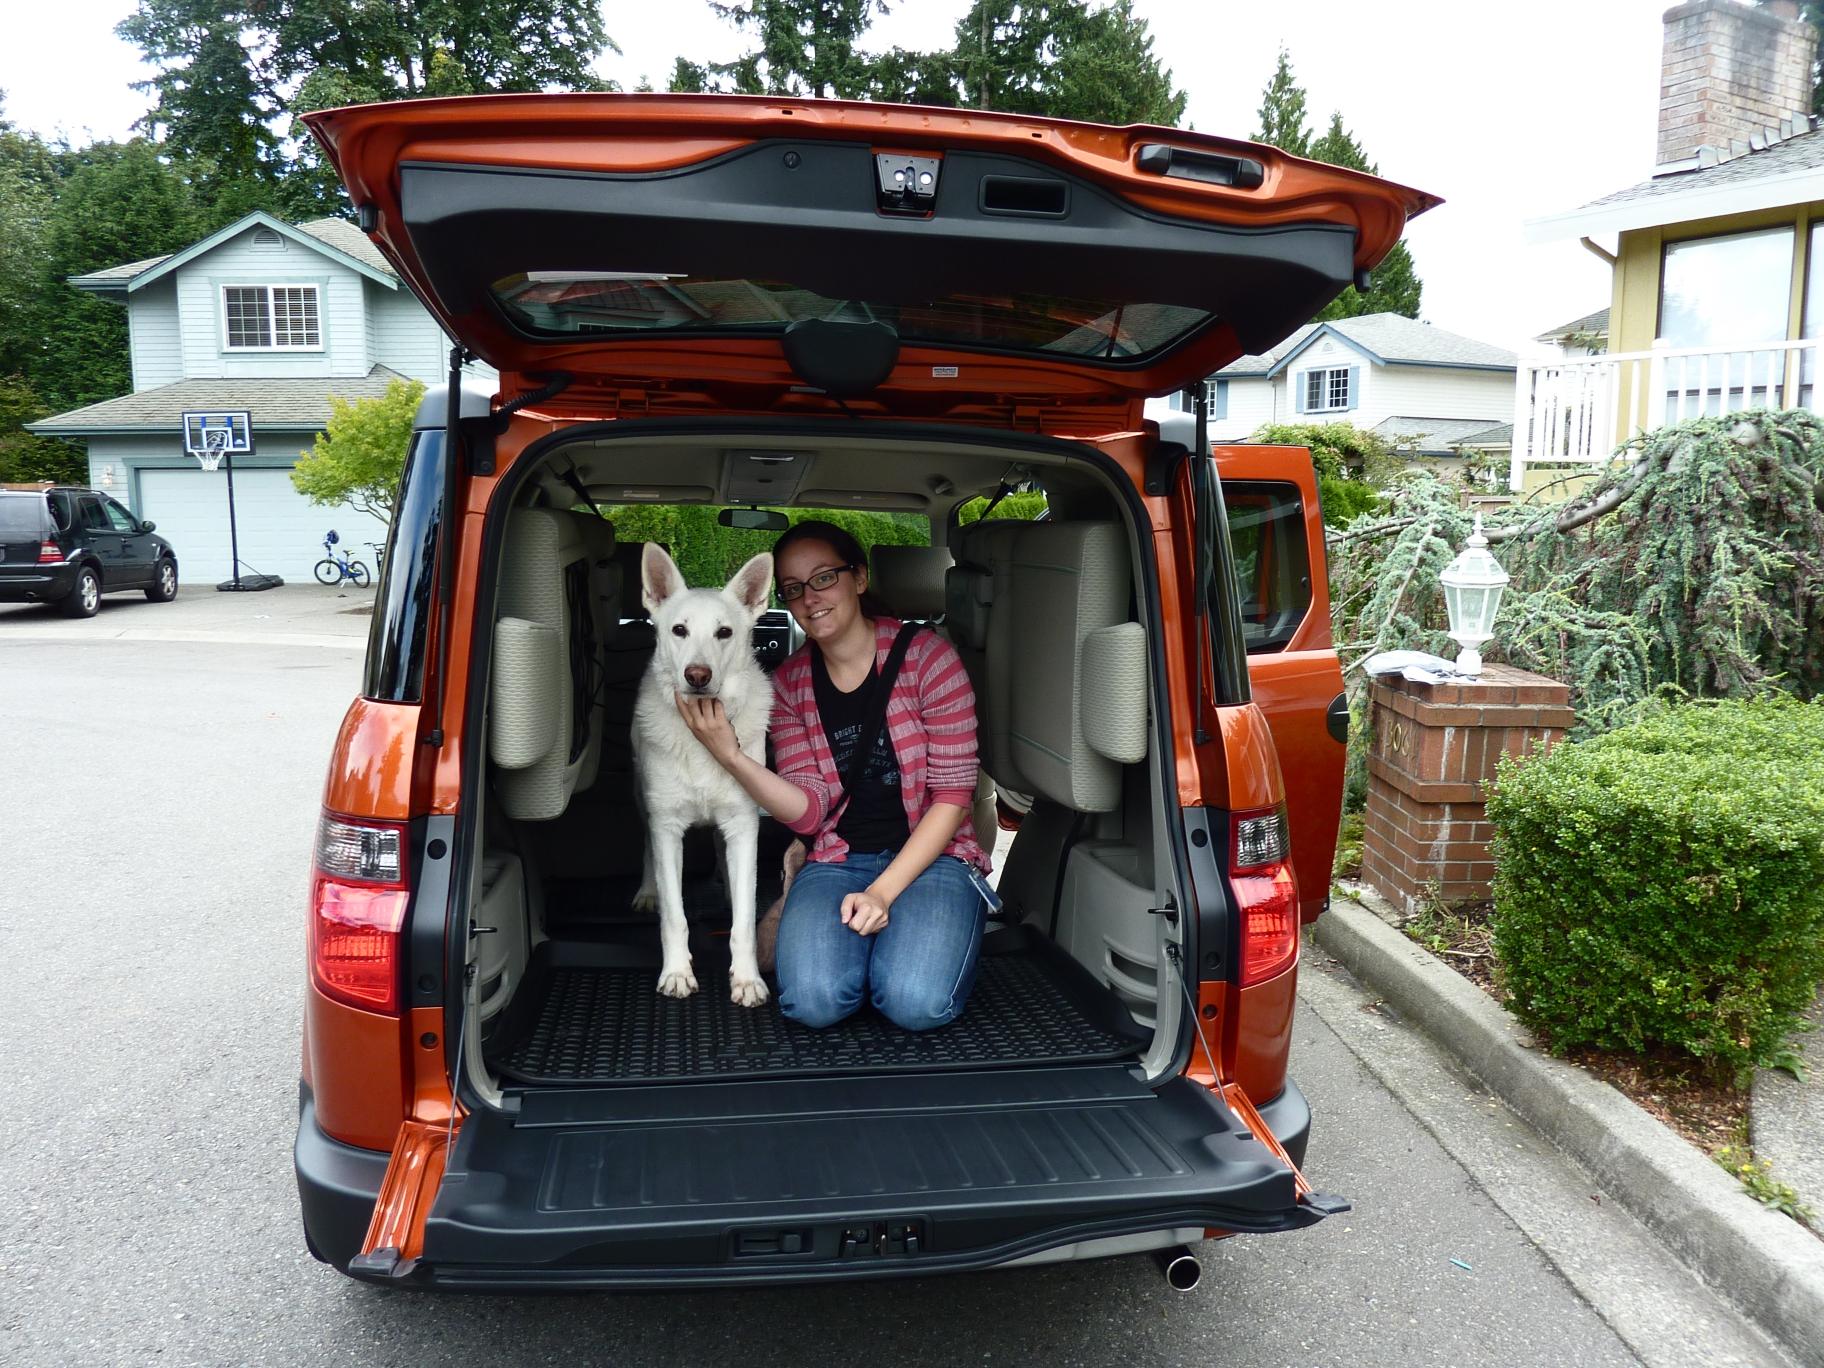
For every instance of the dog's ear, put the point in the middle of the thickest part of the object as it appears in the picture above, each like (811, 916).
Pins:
(659, 577)
(753, 582)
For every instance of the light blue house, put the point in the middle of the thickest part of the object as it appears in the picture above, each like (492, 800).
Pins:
(266, 317)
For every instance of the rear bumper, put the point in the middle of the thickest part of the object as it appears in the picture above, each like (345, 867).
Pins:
(1289, 1118)
(36, 583)
(339, 1184)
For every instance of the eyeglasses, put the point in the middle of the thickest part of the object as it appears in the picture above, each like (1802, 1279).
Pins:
(792, 590)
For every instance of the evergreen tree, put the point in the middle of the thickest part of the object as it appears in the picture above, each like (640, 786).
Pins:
(120, 202)
(1395, 287)
(805, 47)
(1064, 60)
(1282, 111)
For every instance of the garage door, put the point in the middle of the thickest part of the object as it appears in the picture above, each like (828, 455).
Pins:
(281, 532)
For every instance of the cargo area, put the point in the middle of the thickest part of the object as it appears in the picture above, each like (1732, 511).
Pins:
(1046, 617)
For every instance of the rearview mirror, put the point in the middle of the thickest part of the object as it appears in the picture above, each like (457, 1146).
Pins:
(753, 519)
(148, 526)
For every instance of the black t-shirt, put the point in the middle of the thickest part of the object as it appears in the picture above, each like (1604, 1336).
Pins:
(875, 818)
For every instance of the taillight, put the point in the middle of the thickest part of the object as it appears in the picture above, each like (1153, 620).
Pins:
(358, 899)
(1260, 872)
(49, 553)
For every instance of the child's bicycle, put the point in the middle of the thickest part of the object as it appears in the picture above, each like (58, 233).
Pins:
(331, 570)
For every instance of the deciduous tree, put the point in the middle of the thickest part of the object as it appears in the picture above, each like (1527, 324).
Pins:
(358, 458)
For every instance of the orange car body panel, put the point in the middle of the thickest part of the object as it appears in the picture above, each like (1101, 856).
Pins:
(357, 1072)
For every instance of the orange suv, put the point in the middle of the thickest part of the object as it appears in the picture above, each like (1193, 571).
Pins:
(703, 301)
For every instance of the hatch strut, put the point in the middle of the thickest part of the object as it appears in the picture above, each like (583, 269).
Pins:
(446, 542)
(1206, 555)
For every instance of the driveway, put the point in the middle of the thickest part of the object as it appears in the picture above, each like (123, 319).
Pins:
(291, 615)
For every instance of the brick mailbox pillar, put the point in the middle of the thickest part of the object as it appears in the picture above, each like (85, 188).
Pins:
(1432, 746)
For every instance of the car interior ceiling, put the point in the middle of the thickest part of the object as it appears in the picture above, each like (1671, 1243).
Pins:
(1045, 616)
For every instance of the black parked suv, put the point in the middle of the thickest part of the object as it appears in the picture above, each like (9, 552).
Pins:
(70, 546)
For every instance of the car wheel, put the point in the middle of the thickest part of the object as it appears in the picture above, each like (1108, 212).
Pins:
(164, 581)
(328, 572)
(85, 598)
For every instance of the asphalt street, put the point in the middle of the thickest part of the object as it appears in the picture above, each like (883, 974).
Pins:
(160, 798)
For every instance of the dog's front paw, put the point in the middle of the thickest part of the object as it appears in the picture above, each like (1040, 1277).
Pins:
(678, 983)
(747, 992)
(646, 900)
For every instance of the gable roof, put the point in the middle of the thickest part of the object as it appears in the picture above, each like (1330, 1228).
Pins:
(1444, 435)
(277, 404)
(1388, 339)
(1778, 167)
(1591, 323)
(339, 241)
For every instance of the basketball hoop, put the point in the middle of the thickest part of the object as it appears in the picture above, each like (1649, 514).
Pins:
(214, 447)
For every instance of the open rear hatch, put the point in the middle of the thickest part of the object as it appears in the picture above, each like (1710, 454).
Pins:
(724, 253)
(777, 1180)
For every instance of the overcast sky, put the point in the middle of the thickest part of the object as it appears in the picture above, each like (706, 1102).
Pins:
(1507, 111)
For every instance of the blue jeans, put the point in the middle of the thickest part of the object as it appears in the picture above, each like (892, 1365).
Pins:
(917, 970)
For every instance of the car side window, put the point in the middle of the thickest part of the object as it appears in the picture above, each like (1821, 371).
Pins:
(90, 514)
(1272, 561)
(60, 511)
(122, 520)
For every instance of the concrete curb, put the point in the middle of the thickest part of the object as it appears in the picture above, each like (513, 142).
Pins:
(1764, 1262)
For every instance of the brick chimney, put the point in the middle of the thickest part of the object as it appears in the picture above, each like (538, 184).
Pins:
(1730, 70)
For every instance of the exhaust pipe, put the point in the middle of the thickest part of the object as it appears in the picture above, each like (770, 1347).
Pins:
(1180, 1266)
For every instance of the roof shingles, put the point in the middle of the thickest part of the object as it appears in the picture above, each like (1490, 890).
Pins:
(1394, 338)
(275, 404)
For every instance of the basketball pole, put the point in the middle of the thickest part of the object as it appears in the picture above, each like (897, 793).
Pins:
(234, 539)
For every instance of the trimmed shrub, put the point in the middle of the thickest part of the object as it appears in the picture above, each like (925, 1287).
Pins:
(1663, 885)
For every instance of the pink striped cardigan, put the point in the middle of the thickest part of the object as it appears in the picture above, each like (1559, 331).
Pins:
(930, 719)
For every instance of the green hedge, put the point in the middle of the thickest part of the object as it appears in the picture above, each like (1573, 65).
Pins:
(709, 554)
(1663, 885)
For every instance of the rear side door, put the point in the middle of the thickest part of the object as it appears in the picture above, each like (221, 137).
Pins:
(96, 533)
(1277, 532)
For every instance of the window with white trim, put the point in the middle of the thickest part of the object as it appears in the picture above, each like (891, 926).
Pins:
(271, 317)
(1327, 389)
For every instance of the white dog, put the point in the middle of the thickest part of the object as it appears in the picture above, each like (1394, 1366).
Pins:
(705, 650)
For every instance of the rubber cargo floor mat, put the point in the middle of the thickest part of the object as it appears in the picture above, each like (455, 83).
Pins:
(590, 1014)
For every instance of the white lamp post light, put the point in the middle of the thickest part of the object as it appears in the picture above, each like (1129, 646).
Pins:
(1472, 592)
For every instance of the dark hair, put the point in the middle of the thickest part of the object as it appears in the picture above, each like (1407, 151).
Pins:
(839, 540)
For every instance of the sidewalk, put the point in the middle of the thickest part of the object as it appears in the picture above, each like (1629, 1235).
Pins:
(1768, 1264)
(291, 615)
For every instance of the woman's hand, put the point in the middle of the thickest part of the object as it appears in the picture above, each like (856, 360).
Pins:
(865, 912)
(710, 725)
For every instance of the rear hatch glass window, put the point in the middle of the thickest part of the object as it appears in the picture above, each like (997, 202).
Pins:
(568, 303)
(23, 515)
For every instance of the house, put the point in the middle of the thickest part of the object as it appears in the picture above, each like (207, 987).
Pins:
(262, 316)
(1427, 390)
(1716, 260)
(1586, 336)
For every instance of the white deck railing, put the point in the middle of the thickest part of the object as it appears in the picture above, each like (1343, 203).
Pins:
(1576, 411)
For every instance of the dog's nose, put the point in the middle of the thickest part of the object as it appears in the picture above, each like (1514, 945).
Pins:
(697, 676)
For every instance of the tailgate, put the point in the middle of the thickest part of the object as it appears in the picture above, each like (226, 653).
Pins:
(837, 1178)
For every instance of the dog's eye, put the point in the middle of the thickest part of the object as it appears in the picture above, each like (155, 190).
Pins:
(724, 633)
(680, 630)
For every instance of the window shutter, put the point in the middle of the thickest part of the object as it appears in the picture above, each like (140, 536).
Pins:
(1355, 388)
(1222, 398)
(1300, 384)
